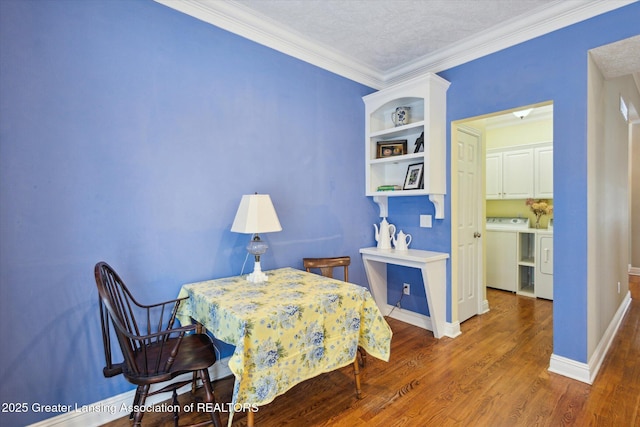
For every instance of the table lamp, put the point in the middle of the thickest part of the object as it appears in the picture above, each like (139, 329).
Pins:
(256, 215)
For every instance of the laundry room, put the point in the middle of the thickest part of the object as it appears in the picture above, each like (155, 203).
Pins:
(519, 201)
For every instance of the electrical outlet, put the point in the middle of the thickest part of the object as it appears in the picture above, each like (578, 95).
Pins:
(406, 289)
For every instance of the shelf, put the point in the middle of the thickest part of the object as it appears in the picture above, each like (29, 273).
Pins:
(432, 265)
(386, 101)
(407, 158)
(426, 97)
(398, 131)
(527, 293)
(398, 193)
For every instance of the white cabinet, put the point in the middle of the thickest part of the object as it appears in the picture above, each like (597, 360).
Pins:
(509, 174)
(501, 260)
(543, 172)
(517, 174)
(426, 98)
(493, 176)
(520, 172)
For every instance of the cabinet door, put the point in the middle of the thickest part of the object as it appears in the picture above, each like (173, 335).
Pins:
(493, 176)
(501, 260)
(517, 174)
(543, 186)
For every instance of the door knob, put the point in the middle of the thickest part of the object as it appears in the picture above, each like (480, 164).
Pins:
(476, 234)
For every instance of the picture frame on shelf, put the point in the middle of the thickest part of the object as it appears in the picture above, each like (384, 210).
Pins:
(391, 148)
(419, 144)
(413, 180)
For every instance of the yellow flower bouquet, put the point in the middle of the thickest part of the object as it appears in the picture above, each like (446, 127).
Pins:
(539, 207)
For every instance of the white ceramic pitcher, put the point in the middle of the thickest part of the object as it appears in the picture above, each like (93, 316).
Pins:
(401, 243)
(384, 234)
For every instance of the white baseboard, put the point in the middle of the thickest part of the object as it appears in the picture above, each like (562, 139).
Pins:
(108, 410)
(451, 330)
(634, 271)
(587, 372)
(485, 307)
(569, 368)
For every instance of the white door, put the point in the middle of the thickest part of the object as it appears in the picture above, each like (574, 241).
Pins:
(469, 225)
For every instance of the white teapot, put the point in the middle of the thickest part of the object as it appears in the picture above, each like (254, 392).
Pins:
(401, 243)
(384, 234)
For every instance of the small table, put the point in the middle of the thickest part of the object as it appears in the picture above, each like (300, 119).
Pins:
(293, 327)
(434, 277)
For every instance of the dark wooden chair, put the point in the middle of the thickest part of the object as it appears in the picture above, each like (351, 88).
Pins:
(154, 351)
(326, 266)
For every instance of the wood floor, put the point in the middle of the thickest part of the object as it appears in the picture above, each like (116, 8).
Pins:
(495, 374)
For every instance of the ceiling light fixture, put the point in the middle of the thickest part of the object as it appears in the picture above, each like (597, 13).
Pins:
(521, 114)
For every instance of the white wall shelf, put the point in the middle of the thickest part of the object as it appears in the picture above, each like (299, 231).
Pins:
(426, 97)
(434, 277)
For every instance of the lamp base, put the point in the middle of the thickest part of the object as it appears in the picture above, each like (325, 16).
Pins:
(257, 276)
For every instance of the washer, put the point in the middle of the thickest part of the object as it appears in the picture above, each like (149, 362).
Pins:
(501, 251)
(507, 223)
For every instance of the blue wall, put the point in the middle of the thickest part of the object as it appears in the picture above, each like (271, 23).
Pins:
(552, 67)
(129, 132)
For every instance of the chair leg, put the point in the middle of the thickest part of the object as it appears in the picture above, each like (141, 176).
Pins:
(136, 400)
(194, 383)
(176, 413)
(209, 396)
(137, 418)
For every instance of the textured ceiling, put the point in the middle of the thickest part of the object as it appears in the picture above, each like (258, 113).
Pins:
(618, 59)
(380, 42)
(387, 34)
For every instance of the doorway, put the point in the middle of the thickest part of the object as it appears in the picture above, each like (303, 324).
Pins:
(531, 127)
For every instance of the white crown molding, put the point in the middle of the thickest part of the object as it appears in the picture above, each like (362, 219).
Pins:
(510, 33)
(243, 21)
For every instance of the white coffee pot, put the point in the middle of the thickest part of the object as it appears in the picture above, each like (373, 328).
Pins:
(384, 234)
(401, 243)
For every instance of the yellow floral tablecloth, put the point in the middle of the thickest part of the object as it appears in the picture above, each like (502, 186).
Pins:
(293, 327)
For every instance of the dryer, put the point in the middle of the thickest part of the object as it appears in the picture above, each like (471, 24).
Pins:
(544, 265)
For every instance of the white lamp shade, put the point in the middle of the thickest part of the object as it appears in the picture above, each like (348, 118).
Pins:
(256, 214)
